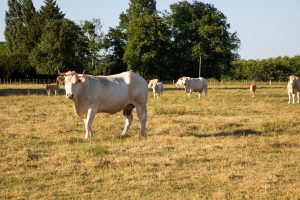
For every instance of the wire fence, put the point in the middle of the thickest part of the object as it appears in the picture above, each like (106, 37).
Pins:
(234, 82)
(172, 82)
(26, 81)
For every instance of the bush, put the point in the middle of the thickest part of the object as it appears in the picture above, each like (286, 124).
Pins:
(16, 66)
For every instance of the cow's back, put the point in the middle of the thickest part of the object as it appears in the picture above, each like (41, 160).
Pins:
(195, 84)
(113, 93)
(297, 81)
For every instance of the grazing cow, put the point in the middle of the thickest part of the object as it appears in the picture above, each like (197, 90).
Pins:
(180, 81)
(52, 88)
(293, 87)
(152, 83)
(109, 94)
(194, 85)
(252, 89)
(157, 87)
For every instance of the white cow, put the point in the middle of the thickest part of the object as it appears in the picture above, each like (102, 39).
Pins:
(109, 94)
(194, 85)
(157, 87)
(181, 81)
(293, 88)
(152, 83)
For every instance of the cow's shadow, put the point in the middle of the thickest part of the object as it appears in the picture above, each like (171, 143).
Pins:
(236, 133)
(25, 92)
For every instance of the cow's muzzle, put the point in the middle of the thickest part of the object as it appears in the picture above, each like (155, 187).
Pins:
(70, 96)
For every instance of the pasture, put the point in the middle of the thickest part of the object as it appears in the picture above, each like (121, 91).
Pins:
(224, 146)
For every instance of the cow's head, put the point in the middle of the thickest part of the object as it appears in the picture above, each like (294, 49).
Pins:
(292, 78)
(71, 80)
(152, 83)
(181, 81)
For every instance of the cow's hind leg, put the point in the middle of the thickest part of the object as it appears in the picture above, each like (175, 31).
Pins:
(89, 121)
(127, 112)
(142, 114)
(293, 96)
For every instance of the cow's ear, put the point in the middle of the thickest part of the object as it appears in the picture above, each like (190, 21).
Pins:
(60, 79)
(81, 79)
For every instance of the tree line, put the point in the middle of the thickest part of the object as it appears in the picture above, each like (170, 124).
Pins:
(155, 44)
(266, 69)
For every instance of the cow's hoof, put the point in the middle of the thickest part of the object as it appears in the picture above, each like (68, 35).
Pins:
(87, 137)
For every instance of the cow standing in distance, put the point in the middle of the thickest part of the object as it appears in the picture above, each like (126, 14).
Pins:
(52, 88)
(181, 81)
(293, 88)
(252, 89)
(194, 85)
(108, 94)
(157, 87)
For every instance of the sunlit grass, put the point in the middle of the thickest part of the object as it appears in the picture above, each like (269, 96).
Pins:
(223, 146)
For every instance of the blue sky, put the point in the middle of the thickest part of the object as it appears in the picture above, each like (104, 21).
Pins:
(266, 28)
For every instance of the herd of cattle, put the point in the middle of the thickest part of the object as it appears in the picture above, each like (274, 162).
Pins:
(126, 91)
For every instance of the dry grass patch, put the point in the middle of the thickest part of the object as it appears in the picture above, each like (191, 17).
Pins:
(224, 146)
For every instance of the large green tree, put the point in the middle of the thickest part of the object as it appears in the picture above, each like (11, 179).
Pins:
(30, 24)
(62, 44)
(147, 44)
(13, 20)
(18, 19)
(199, 29)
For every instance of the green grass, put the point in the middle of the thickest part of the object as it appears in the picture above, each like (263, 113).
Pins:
(223, 146)
(95, 150)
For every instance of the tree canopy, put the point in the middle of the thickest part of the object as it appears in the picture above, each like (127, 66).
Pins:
(147, 40)
(164, 45)
(200, 29)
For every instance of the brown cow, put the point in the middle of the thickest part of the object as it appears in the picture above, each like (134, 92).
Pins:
(52, 88)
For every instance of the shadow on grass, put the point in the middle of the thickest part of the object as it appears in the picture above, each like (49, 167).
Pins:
(242, 87)
(174, 88)
(236, 133)
(24, 92)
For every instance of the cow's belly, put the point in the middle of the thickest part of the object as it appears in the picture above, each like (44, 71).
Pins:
(194, 89)
(198, 90)
(112, 107)
(110, 110)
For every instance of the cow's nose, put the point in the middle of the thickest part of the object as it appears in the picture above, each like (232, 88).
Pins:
(70, 96)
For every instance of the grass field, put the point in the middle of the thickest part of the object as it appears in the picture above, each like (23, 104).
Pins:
(224, 146)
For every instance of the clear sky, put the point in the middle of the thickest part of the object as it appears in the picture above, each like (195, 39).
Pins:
(266, 28)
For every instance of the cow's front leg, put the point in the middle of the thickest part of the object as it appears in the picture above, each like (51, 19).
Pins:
(89, 121)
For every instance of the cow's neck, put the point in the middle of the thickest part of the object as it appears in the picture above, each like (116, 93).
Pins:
(80, 105)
